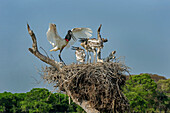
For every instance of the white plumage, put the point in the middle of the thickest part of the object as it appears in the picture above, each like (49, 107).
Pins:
(58, 43)
(91, 45)
(82, 32)
(80, 54)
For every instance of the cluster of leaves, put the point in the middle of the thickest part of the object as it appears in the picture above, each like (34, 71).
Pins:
(37, 100)
(143, 94)
(164, 86)
(10, 102)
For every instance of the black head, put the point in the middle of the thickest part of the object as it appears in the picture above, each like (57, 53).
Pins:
(68, 36)
(70, 33)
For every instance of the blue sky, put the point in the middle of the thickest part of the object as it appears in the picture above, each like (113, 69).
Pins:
(138, 30)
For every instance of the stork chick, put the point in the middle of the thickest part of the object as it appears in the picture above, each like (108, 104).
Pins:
(80, 54)
(88, 48)
(91, 45)
(110, 57)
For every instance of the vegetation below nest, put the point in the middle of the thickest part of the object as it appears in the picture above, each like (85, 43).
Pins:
(143, 93)
(38, 100)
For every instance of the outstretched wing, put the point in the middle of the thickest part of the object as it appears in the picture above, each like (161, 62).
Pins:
(80, 33)
(52, 35)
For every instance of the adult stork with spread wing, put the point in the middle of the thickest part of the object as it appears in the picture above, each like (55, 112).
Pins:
(59, 44)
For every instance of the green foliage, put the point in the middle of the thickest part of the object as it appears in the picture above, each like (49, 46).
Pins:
(141, 92)
(5, 101)
(80, 110)
(164, 86)
(156, 77)
(61, 104)
(163, 92)
(37, 100)
(10, 102)
(163, 101)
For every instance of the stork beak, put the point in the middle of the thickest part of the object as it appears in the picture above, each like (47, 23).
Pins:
(74, 48)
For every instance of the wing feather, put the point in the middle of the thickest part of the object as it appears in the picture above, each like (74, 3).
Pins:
(52, 35)
(80, 33)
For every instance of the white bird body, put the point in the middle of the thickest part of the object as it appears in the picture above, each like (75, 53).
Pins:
(55, 40)
(58, 43)
(94, 43)
(80, 54)
(91, 45)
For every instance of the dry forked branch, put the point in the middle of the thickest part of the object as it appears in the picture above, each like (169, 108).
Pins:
(101, 41)
(34, 50)
(98, 32)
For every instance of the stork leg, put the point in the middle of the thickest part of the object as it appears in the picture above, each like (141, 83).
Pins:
(87, 56)
(94, 56)
(90, 57)
(98, 54)
(60, 56)
(76, 61)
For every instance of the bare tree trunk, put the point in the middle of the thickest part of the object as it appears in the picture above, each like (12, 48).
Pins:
(84, 104)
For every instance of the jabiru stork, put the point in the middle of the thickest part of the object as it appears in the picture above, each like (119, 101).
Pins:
(59, 44)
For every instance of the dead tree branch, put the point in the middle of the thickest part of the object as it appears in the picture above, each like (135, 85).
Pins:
(98, 32)
(34, 50)
(101, 42)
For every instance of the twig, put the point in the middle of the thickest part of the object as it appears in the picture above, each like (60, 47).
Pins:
(34, 50)
(44, 52)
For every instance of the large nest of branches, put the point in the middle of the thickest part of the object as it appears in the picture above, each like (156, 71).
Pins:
(99, 84)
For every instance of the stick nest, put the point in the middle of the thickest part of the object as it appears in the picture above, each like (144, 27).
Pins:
(99, 84)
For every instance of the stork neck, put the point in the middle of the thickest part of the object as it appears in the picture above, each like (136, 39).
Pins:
(66, 39)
